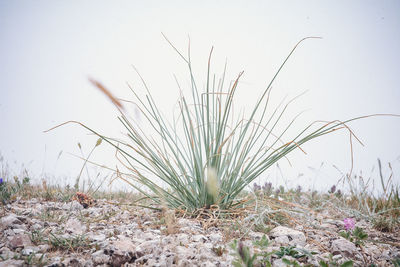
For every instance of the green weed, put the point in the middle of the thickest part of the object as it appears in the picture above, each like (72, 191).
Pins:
(74, 244)
(293, 252)
(9, 190)
(333, 263)
(355, 235)
(244, 257)
(396, 262)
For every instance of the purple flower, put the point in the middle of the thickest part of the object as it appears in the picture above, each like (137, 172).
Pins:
(333, 189)
(241, 250)
(267, 186)
(256, 187)
(1, 180)
(349, 224)
(298, 189)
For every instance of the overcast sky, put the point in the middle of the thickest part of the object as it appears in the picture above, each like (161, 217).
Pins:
(48, 49)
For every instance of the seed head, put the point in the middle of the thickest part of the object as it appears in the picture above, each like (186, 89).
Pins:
(212, 183)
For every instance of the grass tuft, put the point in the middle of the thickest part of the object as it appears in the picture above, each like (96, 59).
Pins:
(207, 156)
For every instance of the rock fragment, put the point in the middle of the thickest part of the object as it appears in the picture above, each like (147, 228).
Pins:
(74, 226)
(280, 233)
(100, 258)
(345, 247)
(12, 263)
(9, 221)
(19, 241)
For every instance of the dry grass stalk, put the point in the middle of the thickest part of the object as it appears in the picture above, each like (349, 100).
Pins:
(105, 91)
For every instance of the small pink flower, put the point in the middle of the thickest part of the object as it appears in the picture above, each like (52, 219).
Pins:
(349, 224)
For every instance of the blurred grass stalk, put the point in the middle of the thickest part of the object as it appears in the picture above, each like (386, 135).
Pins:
(201, 140)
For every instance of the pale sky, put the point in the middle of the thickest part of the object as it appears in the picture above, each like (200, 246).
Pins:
(48, 49)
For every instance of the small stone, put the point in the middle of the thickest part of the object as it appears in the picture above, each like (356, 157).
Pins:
(184, 252)
(282, 240)
(40, 257)
(203, 254)
(19, 241)
(74, 226)
(76, 206)
(120, 252)
(385, 255)
(208, 246)
(148, 236)
(148, 247)
(343, 246)
(216, 237)
(125, 215)
(182, 238)
(168, 259)
(18, 231)
(23, 219)
(9, 232)
(118, 259)
(280, 263)
(329, 226)
(12, 263)
(10, 221)
(295, 237)
(156, 232)
(337, 257)
(199, 238)
(89, 263)
(184, 263)
(128, 232)
(100, 258)
(255, 236)
(19, 227)
(56, 259)
(43, 248)
(337, 223)
(299, 227)
(98, 238)
(207, 264)
(371, 249)
(73, 262)
(124, 245)
(6, 253)
(36, 227)
(27, 251)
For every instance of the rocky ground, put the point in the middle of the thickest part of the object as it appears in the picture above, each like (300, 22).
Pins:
(46, 233)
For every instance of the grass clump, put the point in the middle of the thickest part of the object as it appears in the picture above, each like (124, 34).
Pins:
(77, 243)
(10, 190)
(383, 209)
(213, 161)
(206, 157)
